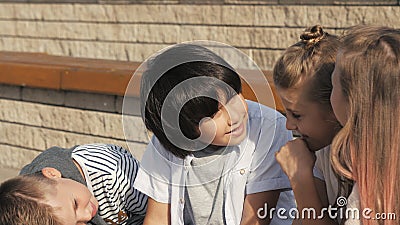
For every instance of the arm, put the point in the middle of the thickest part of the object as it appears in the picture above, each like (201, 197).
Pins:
(153, 179)
(157, 213)
(259, 204)
(297, 162)
(321, 189)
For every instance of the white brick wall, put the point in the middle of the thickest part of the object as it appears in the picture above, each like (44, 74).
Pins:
(133, 32)
(29, 128)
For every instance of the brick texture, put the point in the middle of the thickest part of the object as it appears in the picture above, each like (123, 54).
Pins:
(135, 31)
(27, 128)
(107, 125)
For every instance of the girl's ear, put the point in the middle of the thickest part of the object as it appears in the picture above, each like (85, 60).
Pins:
(50, 172)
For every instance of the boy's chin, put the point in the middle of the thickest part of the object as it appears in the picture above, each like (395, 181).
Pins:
(236, 140)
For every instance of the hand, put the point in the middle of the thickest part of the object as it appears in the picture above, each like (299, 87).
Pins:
(296, 159)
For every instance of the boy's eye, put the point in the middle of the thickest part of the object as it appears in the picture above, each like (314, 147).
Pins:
(75, 204)
(216, 114)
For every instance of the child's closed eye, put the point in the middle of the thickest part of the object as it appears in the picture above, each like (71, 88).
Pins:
(293, 114)
(297, 116)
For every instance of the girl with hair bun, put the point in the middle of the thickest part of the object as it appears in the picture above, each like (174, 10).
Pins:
(302, 76)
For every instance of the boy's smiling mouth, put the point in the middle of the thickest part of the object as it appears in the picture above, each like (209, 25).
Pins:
(237, 131)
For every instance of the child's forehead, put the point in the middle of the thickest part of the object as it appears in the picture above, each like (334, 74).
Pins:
(222, 97)
(297, 90)
(295, 97)
(225, 96)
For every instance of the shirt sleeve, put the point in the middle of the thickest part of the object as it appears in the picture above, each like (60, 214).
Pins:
(134, 201)
(265, 172)
(318, 167)
(154, 175)
(318, 173)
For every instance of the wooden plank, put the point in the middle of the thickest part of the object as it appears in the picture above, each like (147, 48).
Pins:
(97, 81)
(65, 73)
(267, 97)
(65, 61)
(30, 75)
(260, 88)
(105, 76)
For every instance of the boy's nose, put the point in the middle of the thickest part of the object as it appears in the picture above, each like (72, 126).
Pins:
(233, 117)
(84, 216)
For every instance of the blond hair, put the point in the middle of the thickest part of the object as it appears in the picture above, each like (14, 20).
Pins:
(23, 201)
(367, 149)
(312, 58)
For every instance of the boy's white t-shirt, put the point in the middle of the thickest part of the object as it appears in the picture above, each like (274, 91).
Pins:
(253, 169)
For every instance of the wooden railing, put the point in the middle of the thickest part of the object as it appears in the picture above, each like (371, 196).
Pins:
(40, 70)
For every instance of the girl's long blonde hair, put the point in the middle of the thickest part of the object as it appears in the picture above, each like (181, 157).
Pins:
(367, 148)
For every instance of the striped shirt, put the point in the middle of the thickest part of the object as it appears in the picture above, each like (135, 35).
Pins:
(110, 172)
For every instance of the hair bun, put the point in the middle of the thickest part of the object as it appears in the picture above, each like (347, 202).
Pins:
(313, 35)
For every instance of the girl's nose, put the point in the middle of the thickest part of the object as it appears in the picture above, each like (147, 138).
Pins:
(291, 124)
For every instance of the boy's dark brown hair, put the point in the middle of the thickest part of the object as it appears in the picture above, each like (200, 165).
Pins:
(171, 74)
(23, 201)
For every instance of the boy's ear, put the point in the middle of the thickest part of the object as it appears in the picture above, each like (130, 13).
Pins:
(50, 172)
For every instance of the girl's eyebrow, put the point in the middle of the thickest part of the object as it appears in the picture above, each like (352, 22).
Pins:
(292, 111)
(289, 110)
